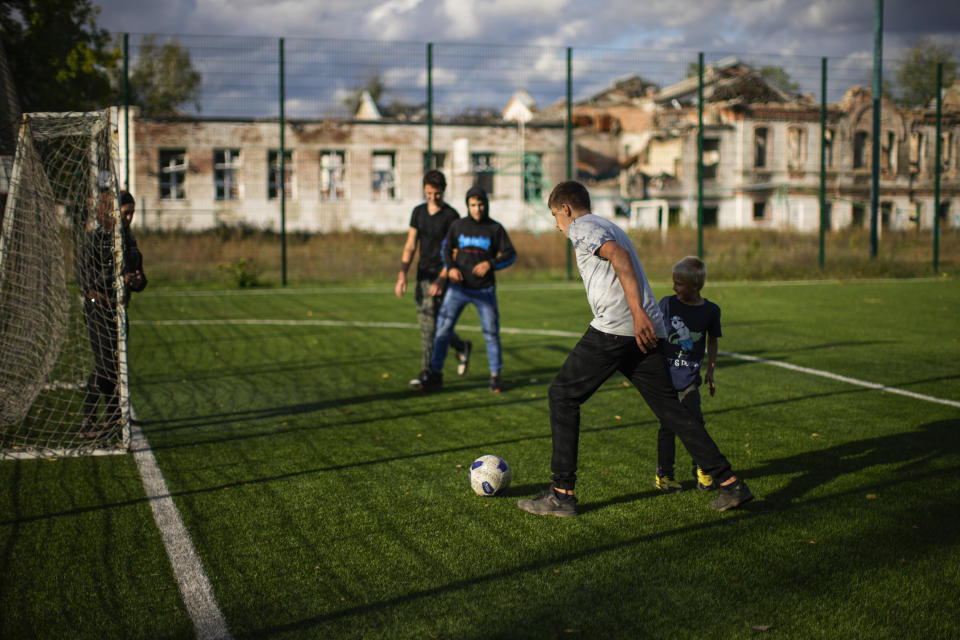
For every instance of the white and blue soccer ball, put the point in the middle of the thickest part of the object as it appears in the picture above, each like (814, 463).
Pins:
(489, 475)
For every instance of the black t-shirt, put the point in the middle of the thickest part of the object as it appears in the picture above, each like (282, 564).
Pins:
(688, 327)
(431, 230)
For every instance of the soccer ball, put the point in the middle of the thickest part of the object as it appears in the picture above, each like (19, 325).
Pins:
(489, 475)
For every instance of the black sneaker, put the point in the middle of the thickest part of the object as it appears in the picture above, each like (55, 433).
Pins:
(548, 504)
(496, 384)
(732, 496)
(431, 380)
(463, 358)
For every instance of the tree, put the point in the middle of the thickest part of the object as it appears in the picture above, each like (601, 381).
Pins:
(60, 60)
(779, 77)
(163, 79)
(916, 75)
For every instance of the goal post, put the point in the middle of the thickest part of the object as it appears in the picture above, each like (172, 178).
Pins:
(63, 373)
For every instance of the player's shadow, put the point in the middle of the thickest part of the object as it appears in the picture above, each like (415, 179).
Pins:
(912, 452)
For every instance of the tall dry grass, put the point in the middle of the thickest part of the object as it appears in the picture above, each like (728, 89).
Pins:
(223, 258)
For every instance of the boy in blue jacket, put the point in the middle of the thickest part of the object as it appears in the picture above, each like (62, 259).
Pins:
(475, 247)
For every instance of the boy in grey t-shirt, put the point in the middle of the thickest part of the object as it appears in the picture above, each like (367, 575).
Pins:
(626, 335)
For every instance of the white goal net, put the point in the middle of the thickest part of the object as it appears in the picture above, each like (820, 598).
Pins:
(63, 382)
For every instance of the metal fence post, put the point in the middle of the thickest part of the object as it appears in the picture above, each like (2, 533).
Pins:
(875, 145)
(429, 106)
(823, 156)
(700, 155)
(936, 172)
(126, 111)
(569, 144)
(283, 176)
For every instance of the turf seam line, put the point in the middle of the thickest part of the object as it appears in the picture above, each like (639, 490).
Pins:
(195, 588)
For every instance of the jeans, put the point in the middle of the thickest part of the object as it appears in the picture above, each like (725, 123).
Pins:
(456, 298)
(593, 360)
(428, 308)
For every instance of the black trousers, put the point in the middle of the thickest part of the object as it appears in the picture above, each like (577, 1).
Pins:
(103, 382)
(666, 440)
(593, 360)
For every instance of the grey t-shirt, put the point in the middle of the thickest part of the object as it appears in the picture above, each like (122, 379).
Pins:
(611, 313)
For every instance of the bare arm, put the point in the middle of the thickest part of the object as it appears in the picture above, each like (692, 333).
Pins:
(619, 258)
(409, 248)
(711, 363)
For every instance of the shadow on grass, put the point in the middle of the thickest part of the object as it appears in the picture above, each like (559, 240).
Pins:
(520, 621)
(912, 450)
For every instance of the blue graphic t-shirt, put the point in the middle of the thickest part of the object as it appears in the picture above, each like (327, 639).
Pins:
(687, 329)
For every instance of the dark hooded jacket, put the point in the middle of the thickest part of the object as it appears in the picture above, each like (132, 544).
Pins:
(470, 242)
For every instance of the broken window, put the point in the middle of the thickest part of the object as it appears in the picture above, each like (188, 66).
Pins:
(796, 147)
(384, 182)
(888, 151)
(273, 180)
(711, 158)
(226, 163)
(173, 173)
(861, 144)
(483, 171)
(917, 150)
(532, 177)
(333, 168)
(761, 136)
(828, 136)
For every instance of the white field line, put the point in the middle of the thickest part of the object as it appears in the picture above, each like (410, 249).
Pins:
(573, 284)
(208, 621)
(546, 332)
(834, 376)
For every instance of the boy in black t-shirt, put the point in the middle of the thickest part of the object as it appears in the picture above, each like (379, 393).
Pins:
(429, 223)
(693, 326)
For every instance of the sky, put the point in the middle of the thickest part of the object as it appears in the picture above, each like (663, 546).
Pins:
(662, 38)
(834, 28)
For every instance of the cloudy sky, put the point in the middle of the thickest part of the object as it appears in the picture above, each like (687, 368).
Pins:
(835, 28)
(611, 39)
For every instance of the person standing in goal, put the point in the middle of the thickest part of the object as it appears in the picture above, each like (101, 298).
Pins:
(96, 276)
(97, 282)
(429, 223)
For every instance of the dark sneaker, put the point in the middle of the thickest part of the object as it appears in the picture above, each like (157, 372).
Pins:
(496, 384)
(431, 380)
(704, 481)
(732, 496)
(463, 358)
(666, 484)
(548, 504)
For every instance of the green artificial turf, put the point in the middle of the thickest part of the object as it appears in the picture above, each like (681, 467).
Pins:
(327, 500)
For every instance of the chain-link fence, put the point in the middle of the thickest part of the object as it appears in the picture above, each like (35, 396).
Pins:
(331, 135)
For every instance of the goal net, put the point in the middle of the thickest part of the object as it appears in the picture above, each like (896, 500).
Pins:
(63, 382)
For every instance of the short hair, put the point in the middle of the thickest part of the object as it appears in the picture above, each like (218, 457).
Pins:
(692, 270)
(570, 193)
(436, 179)
(126, 198)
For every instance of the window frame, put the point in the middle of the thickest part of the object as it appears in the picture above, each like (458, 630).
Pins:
(273, 168)
(172, 176)
(383, 182)
(333, 188)
(225, 183)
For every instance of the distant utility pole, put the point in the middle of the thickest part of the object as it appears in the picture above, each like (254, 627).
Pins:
(875, 143)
